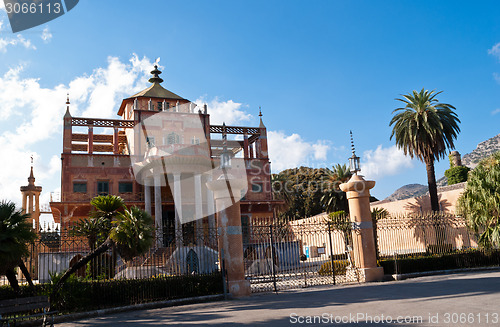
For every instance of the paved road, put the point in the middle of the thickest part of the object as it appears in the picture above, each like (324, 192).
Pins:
(467, 299)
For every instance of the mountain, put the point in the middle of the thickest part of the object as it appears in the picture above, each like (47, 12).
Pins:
(483, 150)
(407, 191)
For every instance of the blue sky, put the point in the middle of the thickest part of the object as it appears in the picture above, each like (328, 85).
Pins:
(317, 68)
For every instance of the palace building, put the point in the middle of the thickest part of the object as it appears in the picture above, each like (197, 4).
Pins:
(158, 155)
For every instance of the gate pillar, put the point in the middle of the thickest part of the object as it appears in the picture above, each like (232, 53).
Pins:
(227, 195)
(358, 195)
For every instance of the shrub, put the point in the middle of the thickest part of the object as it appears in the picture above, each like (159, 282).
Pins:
(457, 260)
(81, 295)
(340, 268)
(457, 174)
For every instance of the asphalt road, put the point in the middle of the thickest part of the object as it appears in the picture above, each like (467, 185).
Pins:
(466, 299)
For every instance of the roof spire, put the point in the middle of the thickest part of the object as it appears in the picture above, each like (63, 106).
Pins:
(67, 106)
(31, 179)
(156, 78)
(260, 116)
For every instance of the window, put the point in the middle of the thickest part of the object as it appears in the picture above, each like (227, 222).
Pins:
(103, 188)
(257, 187)
(195, 140)
(125, 187)
(172, 138)
(159, 106)
(167, 106)
(150, 141)
(79, 187)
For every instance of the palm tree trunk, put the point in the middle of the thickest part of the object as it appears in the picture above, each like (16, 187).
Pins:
(431, 181)
(26, 274)
(81, 263)
(11, 277)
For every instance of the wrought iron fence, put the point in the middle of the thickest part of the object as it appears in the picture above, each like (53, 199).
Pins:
(188, 256)
(293, 255)
(432, 241)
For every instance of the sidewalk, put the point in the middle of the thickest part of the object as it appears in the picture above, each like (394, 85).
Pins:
(466, 299)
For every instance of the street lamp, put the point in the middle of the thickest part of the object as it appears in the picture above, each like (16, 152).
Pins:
(353, 160)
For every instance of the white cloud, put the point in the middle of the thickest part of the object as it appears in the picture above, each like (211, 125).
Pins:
(31, 116)
(289, 151)
(229, 112)
(384, 161)
(19, 40)
(46, 35)
(495, 51)
(496, 111)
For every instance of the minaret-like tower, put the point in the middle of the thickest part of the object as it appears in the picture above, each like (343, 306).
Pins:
(31, 197)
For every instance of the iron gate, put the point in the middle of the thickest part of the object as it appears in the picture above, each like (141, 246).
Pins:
(285, 256)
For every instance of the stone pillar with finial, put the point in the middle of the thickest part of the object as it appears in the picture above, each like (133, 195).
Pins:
(227, 190)
(358, 195)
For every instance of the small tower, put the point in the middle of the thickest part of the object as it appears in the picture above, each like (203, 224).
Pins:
(31, 197)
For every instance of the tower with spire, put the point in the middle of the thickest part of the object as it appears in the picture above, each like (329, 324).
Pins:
(31, 197)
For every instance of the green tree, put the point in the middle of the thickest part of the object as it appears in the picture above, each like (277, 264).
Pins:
(457, 174)
(480, 202)
(15, 235)
(304, 188)
(425, 128)
(131, 235)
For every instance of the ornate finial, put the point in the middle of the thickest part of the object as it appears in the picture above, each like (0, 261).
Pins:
(67, 98)
(352, 145)
(156, 78)
(260, 112)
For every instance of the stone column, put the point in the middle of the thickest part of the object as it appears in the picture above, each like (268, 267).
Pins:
(158, 211)
(358, 195)
(178, 210)
(30, 203)
(210, 206)
(90, 147)
(230, 238)
(198, 203)
(147, 195)
(25, 197)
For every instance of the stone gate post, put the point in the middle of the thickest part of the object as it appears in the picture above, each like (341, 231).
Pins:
(229, 230)
(358, 195)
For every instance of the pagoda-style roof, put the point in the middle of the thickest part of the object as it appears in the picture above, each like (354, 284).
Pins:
(157, 91)
(154, 91)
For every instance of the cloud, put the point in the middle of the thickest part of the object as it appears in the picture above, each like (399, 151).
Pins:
(31, 115)
(496, 111)
(46, 35)
(289, 151)
(384, 162)
(495, 51)
(229, 112)
(19, 40)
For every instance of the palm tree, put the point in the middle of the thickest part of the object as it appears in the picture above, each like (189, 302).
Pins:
(96, 230)
(334, 199)
(131, 235)
(425, 128)
(480, 202)
(15, 234)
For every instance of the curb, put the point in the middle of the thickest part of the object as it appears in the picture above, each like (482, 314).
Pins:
(437, 272)
(133, 307)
